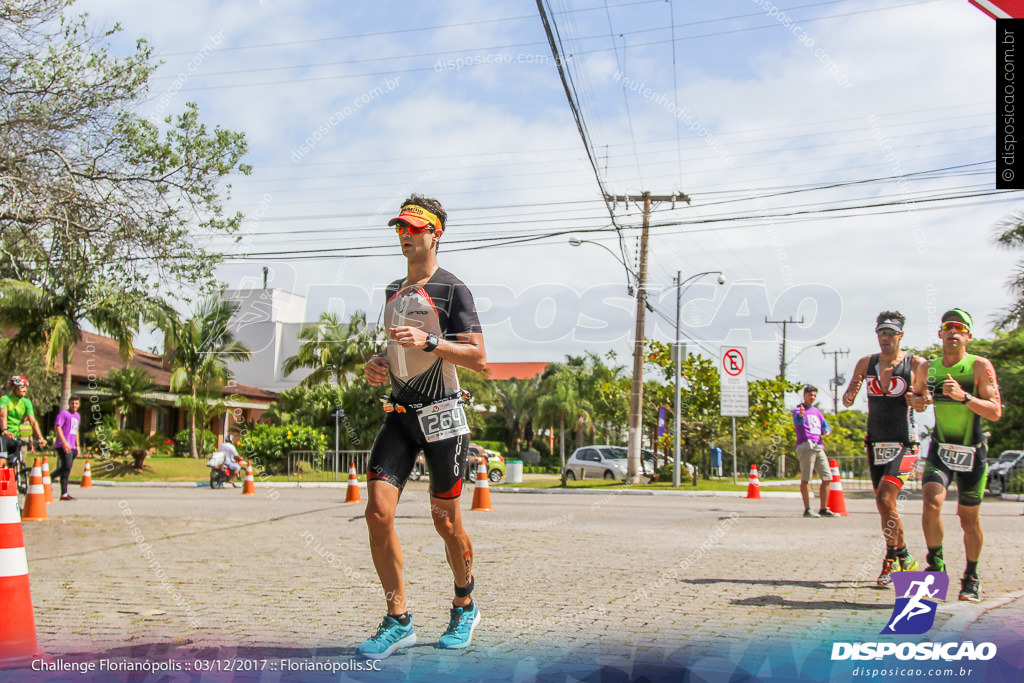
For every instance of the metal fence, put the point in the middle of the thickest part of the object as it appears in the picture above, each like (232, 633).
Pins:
(325, 465)
(853, 471)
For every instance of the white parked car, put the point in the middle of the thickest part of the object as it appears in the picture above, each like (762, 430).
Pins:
(607, 462)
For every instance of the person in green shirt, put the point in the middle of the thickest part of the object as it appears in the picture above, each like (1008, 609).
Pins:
(14, 408)
(963, 389)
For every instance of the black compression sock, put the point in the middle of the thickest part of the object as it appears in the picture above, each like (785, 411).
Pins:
(901, 553)
(890, 552)
(972, 570)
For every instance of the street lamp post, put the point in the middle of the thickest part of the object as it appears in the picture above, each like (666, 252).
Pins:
(797, 354)
(636, 393)
(677, 352)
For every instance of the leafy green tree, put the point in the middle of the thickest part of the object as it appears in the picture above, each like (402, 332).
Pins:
(199, 349)
(1006, 352)
(84, 176)
(607, 388)
(126, 389)
(764, 432)
(98, 207)
(333, 349)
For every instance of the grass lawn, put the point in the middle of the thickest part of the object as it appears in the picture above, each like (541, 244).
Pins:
(156, 468)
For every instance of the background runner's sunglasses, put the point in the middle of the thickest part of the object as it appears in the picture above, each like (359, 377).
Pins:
(958, 327)
(412, 229)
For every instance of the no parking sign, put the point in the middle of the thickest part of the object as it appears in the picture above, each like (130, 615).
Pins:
(732, 373)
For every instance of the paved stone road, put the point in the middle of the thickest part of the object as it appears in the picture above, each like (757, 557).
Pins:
(155, 572)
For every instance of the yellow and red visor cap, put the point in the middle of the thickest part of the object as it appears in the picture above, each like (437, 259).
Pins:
(416, 216)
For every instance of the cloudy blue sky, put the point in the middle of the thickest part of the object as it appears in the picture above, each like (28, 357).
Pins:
(839, 158)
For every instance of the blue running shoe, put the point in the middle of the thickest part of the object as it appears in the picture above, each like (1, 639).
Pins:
(460, 628)
(390, 636)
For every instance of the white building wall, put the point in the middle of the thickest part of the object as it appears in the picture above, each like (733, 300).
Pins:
(268, 322)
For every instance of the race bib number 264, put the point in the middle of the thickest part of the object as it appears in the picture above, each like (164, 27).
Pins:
(440, 421)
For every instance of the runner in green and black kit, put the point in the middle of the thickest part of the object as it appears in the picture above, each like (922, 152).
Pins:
(963, 389)
(891, 440)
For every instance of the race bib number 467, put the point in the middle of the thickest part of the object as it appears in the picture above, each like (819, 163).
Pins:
(440, 421)
(886, 452)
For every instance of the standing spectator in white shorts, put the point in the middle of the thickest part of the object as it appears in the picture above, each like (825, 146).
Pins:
(810, 428)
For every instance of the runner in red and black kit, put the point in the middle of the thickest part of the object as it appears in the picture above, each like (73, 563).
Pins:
(891, 440)
(432, 328)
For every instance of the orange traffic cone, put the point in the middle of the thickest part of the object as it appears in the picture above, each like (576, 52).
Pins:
(18, 646)
(754, 487)
(47, 482)
(352, 493)
(482, 489)
(35, 501)
(836, 500)
(249, 487)
(86, 477)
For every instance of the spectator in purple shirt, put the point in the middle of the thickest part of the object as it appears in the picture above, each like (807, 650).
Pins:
(810, 428)
(67, 444)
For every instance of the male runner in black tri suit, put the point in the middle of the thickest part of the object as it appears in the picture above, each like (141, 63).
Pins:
(891, 440)
(432, 328)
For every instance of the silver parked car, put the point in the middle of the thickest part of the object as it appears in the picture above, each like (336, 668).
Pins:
(606, 462)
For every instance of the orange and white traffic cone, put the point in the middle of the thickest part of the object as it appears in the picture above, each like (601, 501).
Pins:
(18, 647)
(35, 501)
(482, 489)
(86, 477)
(249, 487)
(47, 482)
(836, 500)
(754, 487)
(352, 493)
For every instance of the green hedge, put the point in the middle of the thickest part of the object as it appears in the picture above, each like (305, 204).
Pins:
(268, 445)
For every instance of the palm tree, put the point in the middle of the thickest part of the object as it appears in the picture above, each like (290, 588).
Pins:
(138, 444)
(333, 349)
(1009, 234)
(517, 399)
(561, 402)
(126, 389)
(198, 351)
(53, 320)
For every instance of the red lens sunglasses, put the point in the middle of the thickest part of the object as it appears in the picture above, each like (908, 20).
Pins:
(412, 229)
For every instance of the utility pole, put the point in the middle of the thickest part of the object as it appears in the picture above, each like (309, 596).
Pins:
(637, 394)
(782, 355)
(837, 379)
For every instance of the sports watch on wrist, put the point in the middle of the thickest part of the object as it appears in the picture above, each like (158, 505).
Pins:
(967, 398)
(432, 342)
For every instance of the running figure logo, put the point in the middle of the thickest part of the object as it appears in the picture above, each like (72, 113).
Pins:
(917, 593)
